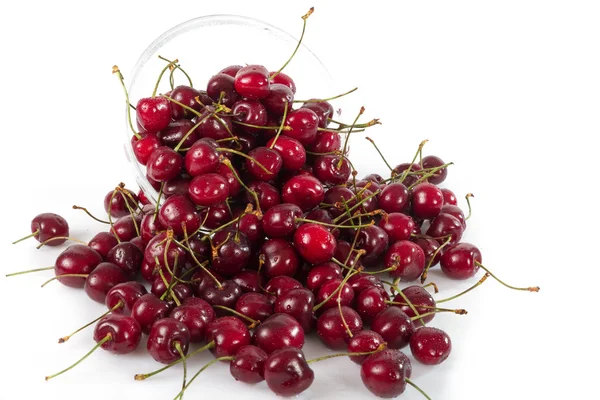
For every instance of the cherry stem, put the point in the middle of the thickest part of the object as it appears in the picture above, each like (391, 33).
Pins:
(327, 99)
(343, 125)
(333, 225)
(141, 377)
(90, 214)
(161, 75)
(285, 128)
(390, 269)
(424, 274)
(177, 66)
(433, 285)
(483, 279)
(281, 126)
(65, 276)
(339, 296)
(458, 311)
(27, 237)
(468, 196)
(160, 193)
(364, 353)
(354, 207)
(65, 338)
(192, 129)
(228, 358)
(115, 70)
(380, 154)
(436, 311)
(304, 18)
(407, 170)
(253, 322)
(169, 287)
(526, 289)
(408, 302)
(362, 110)
(182, 355)
(29, 271)
(424, 177)
(411, 383)
(342, 283)
(227, 162)
(239, 153)
(100, 343)
(112, 196)
(198, 263)
(60, 238)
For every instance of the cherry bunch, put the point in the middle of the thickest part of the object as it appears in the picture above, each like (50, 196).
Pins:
(262, 234)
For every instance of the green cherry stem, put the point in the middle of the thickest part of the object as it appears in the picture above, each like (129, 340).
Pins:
(526, 289)
(479, 283)
(333, 225)
(65, 276)
(39, 246)
(304, 18)
(429, 174)
(365, 353)
(65, 338)
(239, 153)
(142, 377)
(380, 154)
(424, 274)
(281, 126)
(328, 98)
(361, 112)
(100, 343)
(468, 197)
(253, 322)
(27, 237)
(85, 210)
(411, 383)
(168, 66)
(227, 162)
(407, 170)
(228, 358)
(183, 360)
(115, 70)
(458, 311)
(177, 66)
(29, 271)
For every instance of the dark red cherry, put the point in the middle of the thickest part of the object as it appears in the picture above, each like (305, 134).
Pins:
(215, 216)
(434, 162)
(250, 112)
(268, 158)
(374, 241)
(314, 243)
(178, 212)
(164, 164)
(322, 273)
(103, 242)
(116, 203)
(252, 81)
(304, 191)
(280, 258)
(446, 225)
(221, 87)
(268, 195)
(103, 278)
(127, 293)
(281, 284)
(231, 70)
(202, 280)
(297, 303)
(229, 334)
(408, 258)
(252, 227)
(326, 142)
(346, 254)
(179, 185)
(248, 365)
(234, 185)
(148, 309)
(394, 326)
(283, 79)
(364, 342)
(280, 220)
(249, 281)
(323, 109)
(144, 146)
(461, 261)
(208, 190)
(278, 331)
(254, 305)
(303, 124)
(156, 249)
(150, 227)
(202, 158)
(76, 259)
(323, 216)
(409, 179)
(346, 294)
(287, 373)
(398, 226)
(153, 113)
(227, 295)
(421, 299)
(394, 198)
(195, 316)
(279, 98)
(426, 200)
(384, 373)
(430, 346)
(455, 211)
(331, 330)
(449, 196)
(175, 133)
(292, 152)
(233, 252)
(185, 95)
(180, 290)
(341, 195)
(214, 127)
(328, 169)
(47, 226)
(360, 282)
(163, 336)
(125, 227)
(370, 302)
(125, 333)
(429, 246)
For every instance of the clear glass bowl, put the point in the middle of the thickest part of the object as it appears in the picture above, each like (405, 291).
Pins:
(207, 44)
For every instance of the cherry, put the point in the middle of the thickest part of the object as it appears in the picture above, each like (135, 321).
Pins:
(248, 365)
(429, 246)
(455, 211)
(394, 198)
(149, 227)
(185, 95)
(331, 329)
(118, 203)
(125, 227)
(398, 226)
(322, 273)
(221, 87)
(449, 196)
(103, 278)
(315, 243)
(427, 200)
(167, 337)
(201, 158)
(179, 290)
(409, 180)
(164, 164)
(297, 303)
(250, 112)
(208, 189)
(280, 258)
(148, 309)
(292, 152)
(364, 342)
(126, 256)
(251, 226)
(461, 261)
(433, 162)
(214, 128)
(179, 185)
(374, 241)
(174, 134)
(144, 146)
(103, 242)
(268, 195)
(252, 81)
(304, 191)
(370, 302)
(226, 295)
(280, 220)
(279, 98)
(195, 315)
(202, 280)
(446, 225)
(268, 158)
(303, 124)
(281, 284)
(281, 78)
(127, 293)
(155, 250)
(232, 252)
(346, 254)
(229, 335)
(235, 186)
(76, 259)
(326, 142)
(345, 294)
(153, 113)
(384, 373)
(408, 258)
(338, 194)
(421, 299)
(279, 331)
(430, 346)
(394, 326)
(48, 228)
(328, 170)
(249, 281)
(231, 70)
(138, 242)
(323, 109)
(323, 216)
(287, 373)
(360, 282)
(256, 306)
(215, 216)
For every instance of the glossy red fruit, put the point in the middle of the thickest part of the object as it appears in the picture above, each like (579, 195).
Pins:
(153, 113)
(221, 87)
(449, 196)
(185, 95)
(315, 243)
(398, 226)
(249, 281)
(164, 164)
(394, 198)
(292, 152)
(119, 203)
(125, 333)
(248, 365)
(148, 309)
(279, 331)
(280, 285)
(322, 273)
(268, 158)
(256, 306)
(345, 293)
(434, 162)
(360, 282)
(445, 225)
(231, 70)
(429, 246)
(201, 158)
(279, 98)
(303, 124)
(287, 373)
(233, 252)
(394, 326)
(426, 200)
(165, 333)
(124, 227)
(234, 185)
(268, 195)
(409, 180)
(461, 261)
(76, 259)
(364, 342)
(280, 258)
(178, 212)
(102, 279)
(252, 81)
(297, 303)
(283, 79)
(331, 330)
(208, 190)
(48, 226)
(127, 293)
(370, 302)
(280, 220)
(177, 132)
(144, 146)
(229, 334)
(421, 299)
(326, 142)
(323, 109)
(103, 242)
(304, 191)
(430, 346)
(180, 290)
(329, 171)
(384, 373)
(215, 216)
(374, 241)
(408, 258)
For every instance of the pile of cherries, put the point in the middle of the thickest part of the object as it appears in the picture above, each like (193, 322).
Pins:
(262, 234)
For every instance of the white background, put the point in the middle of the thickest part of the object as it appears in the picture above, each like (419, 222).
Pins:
(509, 91)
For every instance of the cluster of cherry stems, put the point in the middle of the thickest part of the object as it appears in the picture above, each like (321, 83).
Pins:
(261, 225)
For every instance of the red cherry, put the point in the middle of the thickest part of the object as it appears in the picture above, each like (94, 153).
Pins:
(268, 158)
(280, 258)
(173, 134)
(185, 95)
(304, 191)
(165, 333)
(449, 196)
(408, 258)
(195, 315)
(178, 212)
(434, 162)
(370, 302)
(298, 303)
(460, 261)
(256, 306)
(430, 346)
(103, 278)
(125, 333)
(384, 373)
(279, 98)
(287, 373)
(292, 152)
(282, 79)
(231, 70)
(346, 294)
(326, 142)
(421, 299)
(164, 164)
(277, 332)
(328, 170)
(364, 342)
(208, 190)
(103, 242)
(446, 225)
(76, 259)
(47, 226)
(229, 334)
(233, 252)
(144, 146)
(303, 124)
(394, 326)
(268, 195)
(221, 86)
(202, 158)
(250, 112)
(248, 365)
(252, 81)
(323, 109)
(331, 329)
(153, 113)
(127, 293)
(398, 226)
(427, 200)
(281, 284)
(322, 273)
(148, 309)
(409, 180)
(314, 243)
(394, 198)
(280, 220)
(234, 185)
(429, 246)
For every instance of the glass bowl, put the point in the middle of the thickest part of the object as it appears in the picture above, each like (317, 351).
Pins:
(207, 44)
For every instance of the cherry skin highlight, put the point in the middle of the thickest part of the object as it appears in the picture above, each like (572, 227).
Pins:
(314, 243)
(430, 346)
